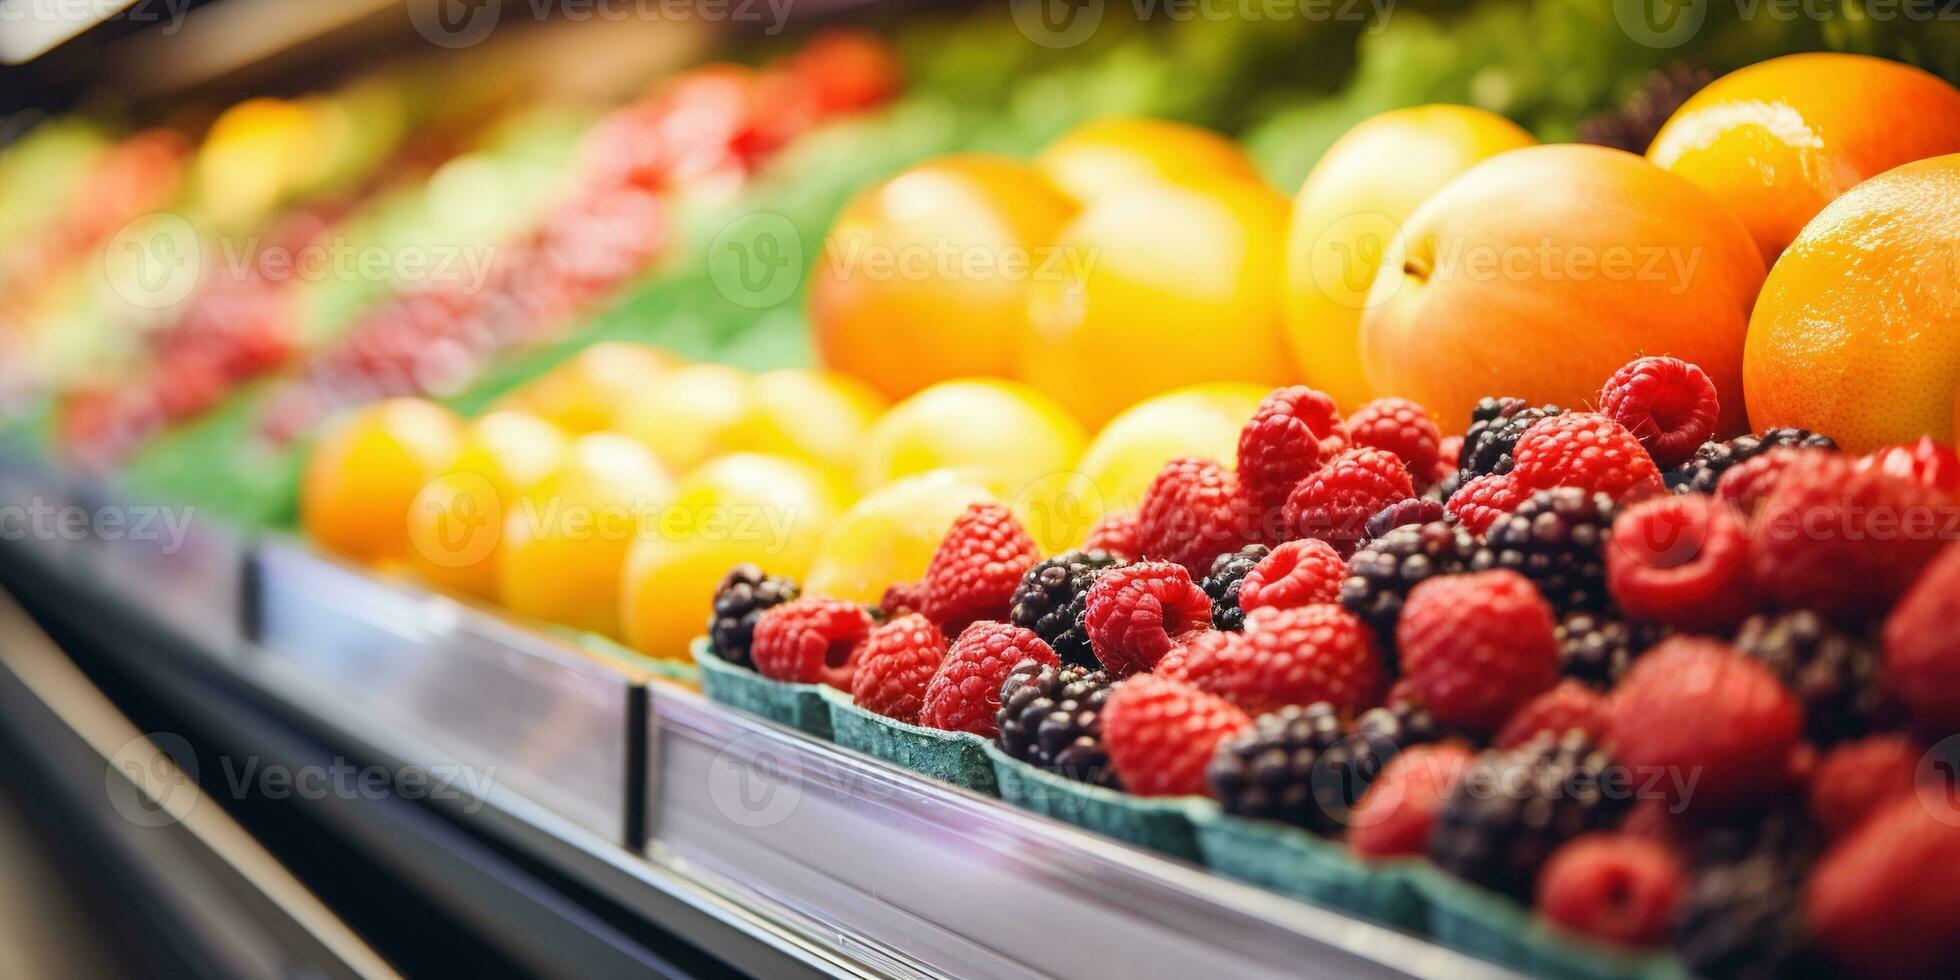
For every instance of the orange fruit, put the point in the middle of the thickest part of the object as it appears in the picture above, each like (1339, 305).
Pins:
(1351, 207)
(1163, 286)
(362, 476)
(585, 393)
(1115, 154)
(1857, 331)
(1540, 272)
(1777, 141)
(925, 276)
(457, 520)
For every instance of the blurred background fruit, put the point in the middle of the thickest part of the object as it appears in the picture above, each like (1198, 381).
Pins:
(1109, 156)
(1854, 333)
(688, 414)
(363, 475)
(1351, 207)
(820, 416)
(1778, 140)
(456, 523)
(1201, 420)
(889, 535)
(1541, 271)
(1157, 288)
(997, 428)
(585, 393)
(925, 277)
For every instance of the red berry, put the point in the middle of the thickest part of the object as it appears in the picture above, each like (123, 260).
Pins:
(1476, 648)
(1616, 887)
(1681, 561)
(1291, 434)
(1745, 484)
(902, 597)
(1584, 450)
(1290, 656)
(1117, 534)
(1854, 778)
(1190, 645)
(1844, 542)
(1402, 427)
(1161, 734)
(1396, 812)
(1479, 503)
(1192, 513)
(1449, 450)
(1297, 573)
(980, 561)
(964, 693)
(1334, 503)
(1924, 462)
(897, 661)
(1131, 614)
(813, 640)
(1922, 647)
(1567, 705)
(1880, 902)
(1701, 711)
(1667, 403)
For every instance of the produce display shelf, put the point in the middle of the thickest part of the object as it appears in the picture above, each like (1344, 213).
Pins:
(780, 853)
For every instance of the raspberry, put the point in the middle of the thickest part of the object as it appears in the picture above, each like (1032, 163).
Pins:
(1745, 484)
(1925, 462)
(1834, 674)
(1052, 717)
(1615, 887)
(1681, 561)
(1667, 403)
(1288, 657)
(1566, 706)
(1495, 425)
(1132, 613)
(812, 640)
(902, 598)
(744, 594)
(1511, 810)
(1227, 578)
(1922, 648)
(1597, 648)
(1556, 538)
(1699, 706)
(1052, 598)
(1412, 510)
(977, 567)
(1477, 647)
(1402, 427)
(1117, 534)
(1395, 815)
(1191, 645)
(897, 661)
(1298, 765)
(964, 693)
(1192, 513)
(1336, 501)
(1290, 435)
(1381, 574)
(1880, 903)
(1297, 573)
(1479, 503)
(1844, 542)
(1853, 779)
(1161, 734)
(1588, 451)
(1700, 474)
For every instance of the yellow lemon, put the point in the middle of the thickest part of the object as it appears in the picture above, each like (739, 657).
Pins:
(457, 520)
(999, 428)
(1202, 420)
(820, 416)
(1109, 155)
(689, 415)
(362, 477)
(889, 535)
(587, 392)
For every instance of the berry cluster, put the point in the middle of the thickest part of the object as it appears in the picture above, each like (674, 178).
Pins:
(1667, 687)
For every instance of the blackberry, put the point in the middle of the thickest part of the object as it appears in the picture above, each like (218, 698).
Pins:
(1414, 510)
(1298, 765)
(1835, 674)
(1405, 723)
(1228, 572)
(1052, 717)
(1699, 475)
(1052, 598)
(1633, 126)
(1557, 539)
(1513, 809)
(1381, 574)
(1598, 647)
(1495, 425)
(1743, 920)
(744, 593)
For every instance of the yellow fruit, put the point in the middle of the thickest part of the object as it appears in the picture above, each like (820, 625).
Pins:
(1351, 207)
(925, 277)
(565, 542)
(820, 416)
(889, 535)
(1202, 420)
(457, 520)
(689, 414)
(1003, 429)
(586, 393)
(742, 507)
(1163, 287)
(1109, 155)
(363, 475)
